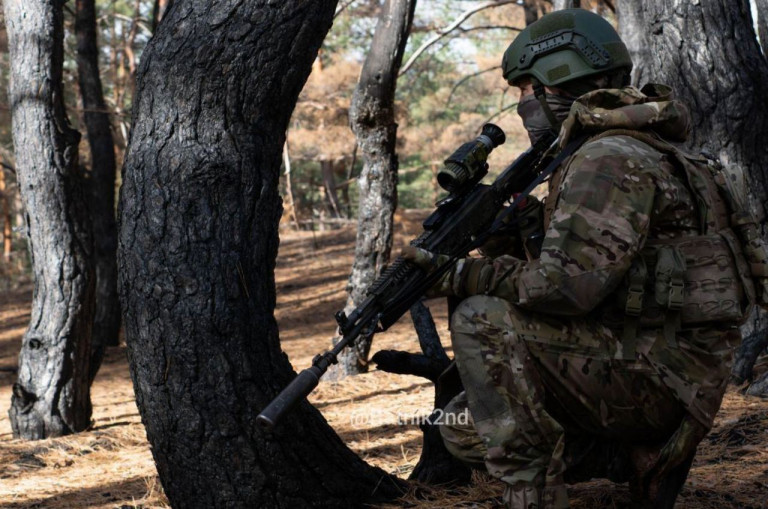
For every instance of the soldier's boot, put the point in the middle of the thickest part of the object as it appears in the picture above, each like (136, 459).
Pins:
(528, 496)
(660, 492)
(661, 471)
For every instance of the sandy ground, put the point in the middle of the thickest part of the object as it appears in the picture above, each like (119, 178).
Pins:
(110, 466)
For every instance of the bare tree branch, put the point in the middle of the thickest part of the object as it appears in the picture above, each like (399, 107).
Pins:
(489, 27)
(341, 8)
(467, 78)
(450, 28)
(499, 113)
(142, 22)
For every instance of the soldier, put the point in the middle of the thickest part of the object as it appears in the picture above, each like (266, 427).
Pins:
(613, 341)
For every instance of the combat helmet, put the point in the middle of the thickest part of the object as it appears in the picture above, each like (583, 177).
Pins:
(563, 46)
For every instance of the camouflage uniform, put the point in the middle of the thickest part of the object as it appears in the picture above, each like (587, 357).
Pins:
(539, 342)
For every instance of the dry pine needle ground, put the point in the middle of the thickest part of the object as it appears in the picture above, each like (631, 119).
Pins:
(110, 466)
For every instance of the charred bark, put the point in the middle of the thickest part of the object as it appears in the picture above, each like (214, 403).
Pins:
(759, 387)
(199, 213)
(708, 52)
(106, 324)
(372, 118)
(52, 394)
(752, 346)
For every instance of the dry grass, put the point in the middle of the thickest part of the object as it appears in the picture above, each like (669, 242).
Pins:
(111, 466)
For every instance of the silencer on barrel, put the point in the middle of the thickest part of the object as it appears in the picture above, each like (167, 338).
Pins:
(298, 389)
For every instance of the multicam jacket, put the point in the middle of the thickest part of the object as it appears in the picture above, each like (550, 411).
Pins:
(605, 203)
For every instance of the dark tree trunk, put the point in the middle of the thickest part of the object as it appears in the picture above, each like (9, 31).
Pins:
(372, 118)
(106, 325)
(708, 52)
(52, 394)
(199, 215)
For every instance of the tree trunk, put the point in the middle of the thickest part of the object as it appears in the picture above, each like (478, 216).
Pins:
(289, 187)
(531, 10)
(199, 214)
(329, 186)
(762, 22)
(372, 118)
(106, 325)
(158, 11)
(633, 32)
(52, 395)
(558, 5)
(5, 196)
(708, 52)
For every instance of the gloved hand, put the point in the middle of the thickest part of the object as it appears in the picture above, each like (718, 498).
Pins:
(468, 276)
(429, 261)
(527, 221)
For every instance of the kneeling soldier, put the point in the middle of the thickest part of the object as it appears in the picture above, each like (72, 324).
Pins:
(613, 337)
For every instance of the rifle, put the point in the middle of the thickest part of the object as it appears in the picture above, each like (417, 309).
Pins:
(461, 222)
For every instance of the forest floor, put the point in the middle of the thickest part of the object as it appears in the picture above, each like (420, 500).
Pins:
(110, 466)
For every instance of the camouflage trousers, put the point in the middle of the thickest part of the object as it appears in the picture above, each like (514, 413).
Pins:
(529, 377)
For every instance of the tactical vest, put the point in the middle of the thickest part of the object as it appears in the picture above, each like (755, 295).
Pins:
(716, 276)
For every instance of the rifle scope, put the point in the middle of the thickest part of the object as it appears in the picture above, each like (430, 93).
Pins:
(467, 165)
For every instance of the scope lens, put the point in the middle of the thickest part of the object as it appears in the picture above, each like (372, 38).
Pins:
(452, 176)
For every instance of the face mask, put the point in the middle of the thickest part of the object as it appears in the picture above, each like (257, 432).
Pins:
(535, 119)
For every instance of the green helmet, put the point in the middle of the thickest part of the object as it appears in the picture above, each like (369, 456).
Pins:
(563, 46)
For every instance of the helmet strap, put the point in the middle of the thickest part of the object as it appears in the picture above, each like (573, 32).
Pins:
(540, 93)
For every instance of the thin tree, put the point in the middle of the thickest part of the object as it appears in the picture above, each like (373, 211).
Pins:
(106, 324)
(6, 214)
(372, 118)
(51, 396)
(708, 52)
(565, 4)
(531, 11)
(761, 8)
(158, 12)
(198, 223)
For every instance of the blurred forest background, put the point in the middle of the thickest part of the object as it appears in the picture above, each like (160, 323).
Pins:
(444, 95)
